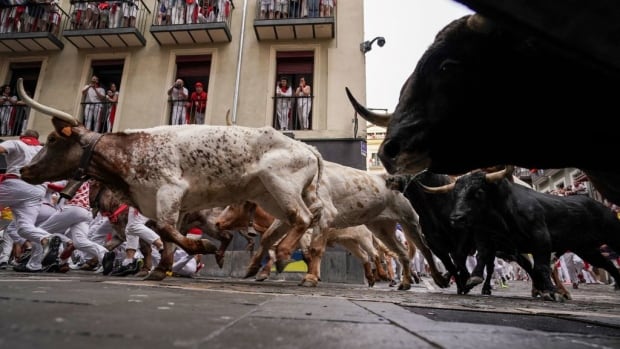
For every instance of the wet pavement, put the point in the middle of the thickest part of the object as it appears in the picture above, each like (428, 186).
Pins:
(87, 310)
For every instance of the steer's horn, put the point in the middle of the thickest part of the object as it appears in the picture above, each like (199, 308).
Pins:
(378, 119)
(438, 190)
(480, 24)
(499, 175)
(43, 108)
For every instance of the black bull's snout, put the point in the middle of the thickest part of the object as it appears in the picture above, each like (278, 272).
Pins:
(459, 220)
(387, 154)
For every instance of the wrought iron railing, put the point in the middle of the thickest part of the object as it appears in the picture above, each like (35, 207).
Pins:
(99, 117)
(102, 14)
(180, 12)
(298, 112)
(33, 17)
(183, 111)
(13, 119)
(293, 9)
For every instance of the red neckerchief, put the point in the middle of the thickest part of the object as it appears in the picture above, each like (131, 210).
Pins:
(284, 89)
(29, 140)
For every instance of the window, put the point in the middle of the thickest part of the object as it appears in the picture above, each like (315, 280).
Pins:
(14, 118)
(294, 112)
(192, 70)
(99, 114)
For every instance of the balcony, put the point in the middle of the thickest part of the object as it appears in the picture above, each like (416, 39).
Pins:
(190, 24)
(107, 24)
(292, 24)
(23, 33)
(13, 118)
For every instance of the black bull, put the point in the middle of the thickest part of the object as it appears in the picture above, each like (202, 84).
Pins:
(482, 95)
(517, 220)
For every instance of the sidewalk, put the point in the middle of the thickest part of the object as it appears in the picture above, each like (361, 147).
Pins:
(86, 310)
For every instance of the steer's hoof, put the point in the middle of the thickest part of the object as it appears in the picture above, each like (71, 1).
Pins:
(252, 270)
(486, 292)
(310, 281)
(262, 277)
(474, 281)
(155, 275)
(404, 286)
(280, 265)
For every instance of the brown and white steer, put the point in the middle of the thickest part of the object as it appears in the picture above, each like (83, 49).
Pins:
(167, 171)
(363, 198)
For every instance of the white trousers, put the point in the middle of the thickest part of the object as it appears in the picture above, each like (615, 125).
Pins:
(25, 202)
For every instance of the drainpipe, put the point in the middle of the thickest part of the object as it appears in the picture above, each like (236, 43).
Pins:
(241, 36)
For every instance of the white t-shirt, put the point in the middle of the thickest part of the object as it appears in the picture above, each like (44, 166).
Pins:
(18, 154)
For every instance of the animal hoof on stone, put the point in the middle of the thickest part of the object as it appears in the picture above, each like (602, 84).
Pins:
(474, 281)
(251, 272)
(486, 292)
(262, 277)
(404, 287)
(155, 275)
(309, 283)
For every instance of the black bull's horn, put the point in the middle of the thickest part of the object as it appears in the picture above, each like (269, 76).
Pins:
(438, 190)
(499, 175)
(43, 108)
(378, 119)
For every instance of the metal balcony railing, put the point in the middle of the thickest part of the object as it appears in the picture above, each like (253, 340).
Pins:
(107, 24)
(98, 117)
(293, 9)
(102, 14)
(13, 119)
(296, 113)
(174, 12)
(31, 26)
(183, 112)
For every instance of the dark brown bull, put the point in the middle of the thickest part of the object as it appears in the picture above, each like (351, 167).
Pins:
(482, 95)
(104, 201)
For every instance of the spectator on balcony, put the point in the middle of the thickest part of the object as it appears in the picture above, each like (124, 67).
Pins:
(284, 94)
(281, 9)
(304, 103)
(104, 15)
(78, 14)
(313, 8)
(112, 99)
(114, 18)
(94, 95)
(327, 8)
(177, 11)
(7, 110)
(192, 9)
(266, 9)
(178, 96)
(199, 103)
(130, 11)
(223, 12)
(92, 15)
(163, 16)
(52, 13)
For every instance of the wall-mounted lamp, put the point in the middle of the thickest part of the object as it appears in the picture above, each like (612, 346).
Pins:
(367, 45)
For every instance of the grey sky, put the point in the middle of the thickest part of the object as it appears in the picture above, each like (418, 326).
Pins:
(409, 27)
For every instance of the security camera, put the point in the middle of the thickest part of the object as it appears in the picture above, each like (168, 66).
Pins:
(381, 41)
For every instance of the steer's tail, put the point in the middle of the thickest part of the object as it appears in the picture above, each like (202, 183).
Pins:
(322, 209)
